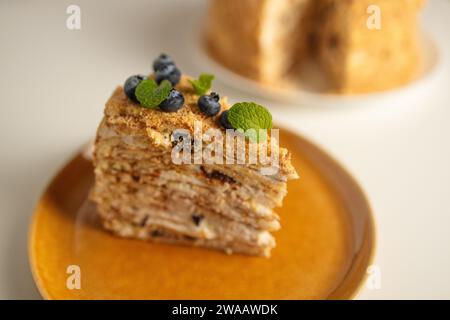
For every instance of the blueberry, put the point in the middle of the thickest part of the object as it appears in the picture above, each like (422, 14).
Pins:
(168, 72)
(173, 103)
(161, 61)
(131, 84)
(224, 120)
(209, 105)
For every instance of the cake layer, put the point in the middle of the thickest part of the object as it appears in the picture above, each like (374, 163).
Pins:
(196, 226)
(126, 154)
(159, 234)
(200, 177)
(232, 206)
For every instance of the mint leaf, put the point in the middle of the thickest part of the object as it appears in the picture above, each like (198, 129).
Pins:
(150, 95)
(249, 115)
(203, 84)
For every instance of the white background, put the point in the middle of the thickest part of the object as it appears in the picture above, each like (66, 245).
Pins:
(54, 82)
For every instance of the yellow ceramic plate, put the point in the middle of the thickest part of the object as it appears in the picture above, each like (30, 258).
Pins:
(323, 249)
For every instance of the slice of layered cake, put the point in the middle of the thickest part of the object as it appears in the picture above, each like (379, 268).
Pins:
(165, 170)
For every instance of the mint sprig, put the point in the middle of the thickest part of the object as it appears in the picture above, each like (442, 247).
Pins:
(249, 115)
(203, 84)
(150, 95)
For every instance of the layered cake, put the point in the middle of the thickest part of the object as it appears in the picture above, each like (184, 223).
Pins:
(151, 182)
(360, 46)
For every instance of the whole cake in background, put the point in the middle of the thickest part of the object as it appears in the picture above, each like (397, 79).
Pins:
(142, 192)
(267, 39)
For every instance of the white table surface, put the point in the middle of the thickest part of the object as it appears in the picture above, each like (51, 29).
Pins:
(54, 82)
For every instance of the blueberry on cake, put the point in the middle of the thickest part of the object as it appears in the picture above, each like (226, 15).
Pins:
(165, 171)
(360, 45)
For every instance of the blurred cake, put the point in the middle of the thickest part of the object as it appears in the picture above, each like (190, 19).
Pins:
(267, 39)
(141, 193)
(258, 38)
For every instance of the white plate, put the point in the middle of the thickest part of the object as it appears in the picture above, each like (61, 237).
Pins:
(308, 88)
